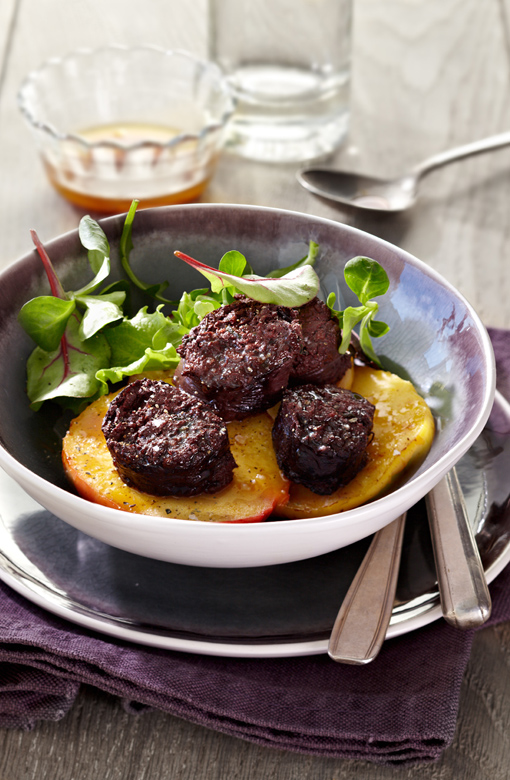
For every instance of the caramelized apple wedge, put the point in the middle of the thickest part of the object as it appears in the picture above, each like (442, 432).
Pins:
(256, 490)
(403, 432)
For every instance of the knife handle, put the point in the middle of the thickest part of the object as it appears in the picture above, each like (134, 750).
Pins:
(361, 625)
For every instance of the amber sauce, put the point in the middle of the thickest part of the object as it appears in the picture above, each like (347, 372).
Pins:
(126, 134)
(119, 205)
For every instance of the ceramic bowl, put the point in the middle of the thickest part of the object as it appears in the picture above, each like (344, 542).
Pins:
(119, 123)
(436, 340)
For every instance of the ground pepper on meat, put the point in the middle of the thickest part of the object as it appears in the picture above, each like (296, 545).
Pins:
(321, 435)
(166, 442)
(239, 358)
(319, 361)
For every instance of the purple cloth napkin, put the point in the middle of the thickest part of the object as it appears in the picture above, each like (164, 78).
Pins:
(402, 708)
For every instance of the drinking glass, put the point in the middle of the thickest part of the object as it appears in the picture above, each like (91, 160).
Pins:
(288, 66)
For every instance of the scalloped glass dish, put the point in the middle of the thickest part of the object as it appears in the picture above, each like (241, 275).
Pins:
(120, 123)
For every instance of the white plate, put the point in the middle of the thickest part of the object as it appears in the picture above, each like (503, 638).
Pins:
(283, 610)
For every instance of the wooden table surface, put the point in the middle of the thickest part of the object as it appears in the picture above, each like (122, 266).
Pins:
(427, 75)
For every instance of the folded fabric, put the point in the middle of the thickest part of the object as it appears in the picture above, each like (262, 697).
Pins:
(401, 708)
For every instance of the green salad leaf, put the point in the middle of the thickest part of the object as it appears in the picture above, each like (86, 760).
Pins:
(146, 342)
(93, 238)
(193, 307)
(233, 263)
(69, 371)
(366, 278)
(125, 247)
(100, 311)
(45, 320)
(295, 288)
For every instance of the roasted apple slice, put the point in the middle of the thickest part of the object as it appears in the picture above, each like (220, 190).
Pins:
(403, 432)
(256, 490)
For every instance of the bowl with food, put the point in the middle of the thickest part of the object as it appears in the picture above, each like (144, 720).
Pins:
(119, 122)
(233, 386)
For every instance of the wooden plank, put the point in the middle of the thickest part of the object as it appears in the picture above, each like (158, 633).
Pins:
(8, 10)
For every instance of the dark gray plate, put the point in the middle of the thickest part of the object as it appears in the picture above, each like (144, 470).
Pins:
(277, 610)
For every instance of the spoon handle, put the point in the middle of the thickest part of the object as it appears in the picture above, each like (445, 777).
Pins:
(361, 625)
(465, 598)
(459, 152)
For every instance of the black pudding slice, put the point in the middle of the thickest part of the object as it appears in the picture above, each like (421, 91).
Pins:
(319, 361)
(239, 358)
(166, 442)
(321, 435)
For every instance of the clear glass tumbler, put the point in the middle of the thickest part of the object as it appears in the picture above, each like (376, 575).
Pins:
(288, 65)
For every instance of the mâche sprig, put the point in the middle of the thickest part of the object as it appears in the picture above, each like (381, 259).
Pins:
(367, 279)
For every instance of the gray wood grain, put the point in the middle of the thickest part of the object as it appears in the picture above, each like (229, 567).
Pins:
(427, 75)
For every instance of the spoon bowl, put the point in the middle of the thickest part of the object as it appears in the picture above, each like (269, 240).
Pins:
(361, 192)
(387, 195)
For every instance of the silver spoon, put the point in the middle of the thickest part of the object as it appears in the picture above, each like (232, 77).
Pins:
(365, 192)
(465, 597)
(362, 622)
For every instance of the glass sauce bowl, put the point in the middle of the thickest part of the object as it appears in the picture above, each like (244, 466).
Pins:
(119, 123)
